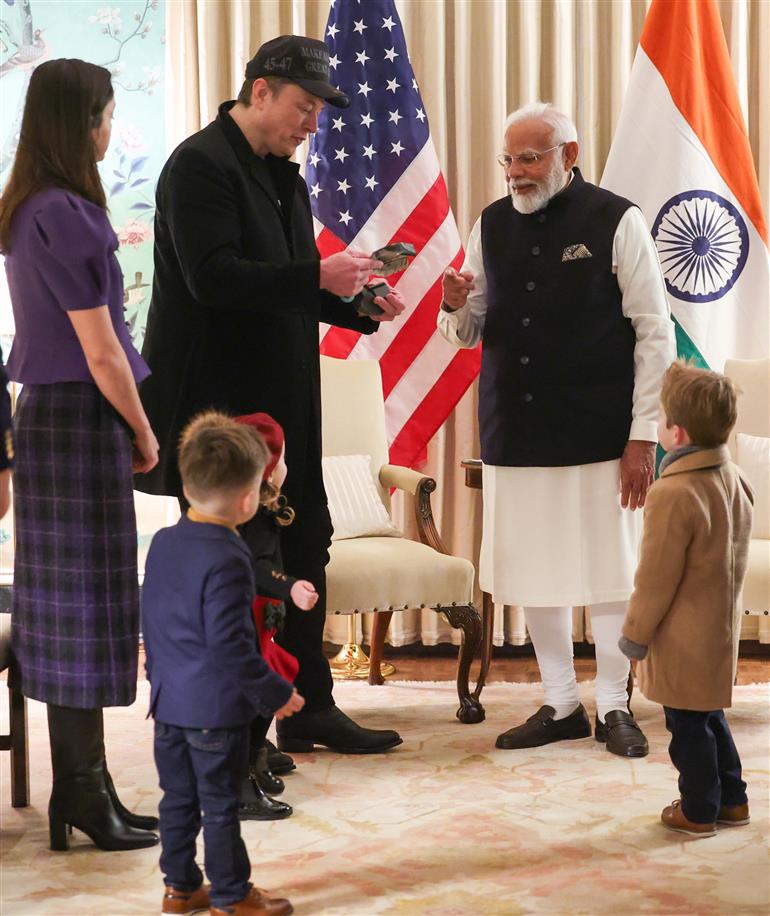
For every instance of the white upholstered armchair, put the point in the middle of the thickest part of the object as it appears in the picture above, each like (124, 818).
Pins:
(373, 567)
(749, 446)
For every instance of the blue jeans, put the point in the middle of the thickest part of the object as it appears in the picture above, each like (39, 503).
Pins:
(703, 751)
(200, 772)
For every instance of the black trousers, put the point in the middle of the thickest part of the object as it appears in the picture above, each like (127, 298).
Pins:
(703, 751)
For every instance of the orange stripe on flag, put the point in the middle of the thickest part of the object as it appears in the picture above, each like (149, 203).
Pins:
(685, 41)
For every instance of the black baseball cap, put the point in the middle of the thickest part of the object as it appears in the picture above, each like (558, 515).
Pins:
(304, 61)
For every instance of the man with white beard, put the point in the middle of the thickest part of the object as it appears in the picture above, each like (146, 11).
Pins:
(562, 285)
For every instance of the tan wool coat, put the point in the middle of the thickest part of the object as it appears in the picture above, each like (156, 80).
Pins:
(686, 600)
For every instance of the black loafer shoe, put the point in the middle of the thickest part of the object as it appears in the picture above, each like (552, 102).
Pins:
(622, 735)
(280, 764)
(256, 806)
(542, 729)
(333, 729)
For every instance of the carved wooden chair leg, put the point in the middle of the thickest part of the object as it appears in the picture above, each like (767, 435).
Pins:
(379, 629)
(466, 618)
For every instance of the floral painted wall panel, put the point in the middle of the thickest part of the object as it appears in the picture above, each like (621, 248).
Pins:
(127, 37)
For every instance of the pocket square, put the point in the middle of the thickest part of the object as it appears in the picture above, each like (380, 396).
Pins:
(575, 252)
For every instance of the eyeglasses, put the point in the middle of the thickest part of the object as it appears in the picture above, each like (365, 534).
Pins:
(526, 159)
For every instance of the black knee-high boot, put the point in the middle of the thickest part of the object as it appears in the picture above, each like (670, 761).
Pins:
(140, 821)
(79, 796)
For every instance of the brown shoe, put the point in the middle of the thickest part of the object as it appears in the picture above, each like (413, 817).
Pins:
(254, 903)
(733, 815)
(183, 903)
(673, 818)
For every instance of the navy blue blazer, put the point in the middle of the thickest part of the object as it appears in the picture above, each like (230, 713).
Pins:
(202, 657)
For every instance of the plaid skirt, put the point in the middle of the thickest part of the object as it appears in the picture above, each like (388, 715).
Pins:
(75, 605)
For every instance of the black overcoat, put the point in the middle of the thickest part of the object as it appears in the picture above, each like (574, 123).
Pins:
(236, 305)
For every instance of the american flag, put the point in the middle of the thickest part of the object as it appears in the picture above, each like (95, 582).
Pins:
(374, 178)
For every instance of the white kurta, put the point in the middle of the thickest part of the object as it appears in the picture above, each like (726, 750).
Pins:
(557, 535)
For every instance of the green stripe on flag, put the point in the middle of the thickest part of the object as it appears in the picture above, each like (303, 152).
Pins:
(685, 349)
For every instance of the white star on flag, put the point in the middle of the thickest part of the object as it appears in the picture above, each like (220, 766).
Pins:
(385, 185)
(334, 61)
(315, 190)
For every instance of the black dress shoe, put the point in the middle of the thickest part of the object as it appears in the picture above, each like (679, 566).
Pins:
(622, 735)
(280, 764)
(333, 729)
(542, 729)
(255, 805)
(266, 779)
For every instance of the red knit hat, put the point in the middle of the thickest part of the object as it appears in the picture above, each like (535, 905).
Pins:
(271, 431)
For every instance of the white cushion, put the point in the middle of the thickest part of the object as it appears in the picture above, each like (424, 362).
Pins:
(753, 457)
(366, 574)
(354, 501)
(756, 588)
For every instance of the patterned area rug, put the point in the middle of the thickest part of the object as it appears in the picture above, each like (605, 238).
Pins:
(443, 826)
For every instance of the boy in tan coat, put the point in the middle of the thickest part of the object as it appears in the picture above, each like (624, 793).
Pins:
(683, 617)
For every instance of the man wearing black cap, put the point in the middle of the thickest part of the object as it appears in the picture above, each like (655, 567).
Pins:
(238, 294)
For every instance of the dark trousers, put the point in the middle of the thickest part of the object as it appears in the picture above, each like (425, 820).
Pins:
(200, 772)
(303, 633)
(703, 751)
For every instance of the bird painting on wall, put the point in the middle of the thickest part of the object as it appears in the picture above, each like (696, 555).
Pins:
(26, 57)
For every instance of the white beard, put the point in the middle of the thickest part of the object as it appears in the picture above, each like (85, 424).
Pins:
(546, 188)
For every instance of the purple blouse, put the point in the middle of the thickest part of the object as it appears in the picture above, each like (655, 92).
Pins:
(61, 259)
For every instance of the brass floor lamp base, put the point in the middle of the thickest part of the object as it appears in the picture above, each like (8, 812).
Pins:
(352, 663)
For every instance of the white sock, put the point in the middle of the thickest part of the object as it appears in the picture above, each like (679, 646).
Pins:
(612, 666)
(550, 629)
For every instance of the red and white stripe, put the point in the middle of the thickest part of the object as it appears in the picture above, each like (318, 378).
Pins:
(423, 376)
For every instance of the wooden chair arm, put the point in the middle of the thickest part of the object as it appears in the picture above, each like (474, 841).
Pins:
(420, 487)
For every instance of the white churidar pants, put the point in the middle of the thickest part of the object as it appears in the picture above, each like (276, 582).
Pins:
(550, 629)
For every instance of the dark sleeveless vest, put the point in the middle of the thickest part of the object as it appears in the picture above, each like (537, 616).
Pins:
(557, 368)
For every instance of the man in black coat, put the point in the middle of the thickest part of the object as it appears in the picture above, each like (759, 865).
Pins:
(238, 294)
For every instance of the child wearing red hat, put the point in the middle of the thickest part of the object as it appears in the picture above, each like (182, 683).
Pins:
(274, 586)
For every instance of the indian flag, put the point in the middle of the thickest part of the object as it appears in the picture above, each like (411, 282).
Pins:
(682, 154)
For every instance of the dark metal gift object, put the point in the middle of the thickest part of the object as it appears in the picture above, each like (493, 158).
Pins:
(394, 258)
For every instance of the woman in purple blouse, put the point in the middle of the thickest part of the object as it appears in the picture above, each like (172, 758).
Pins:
(80, 432)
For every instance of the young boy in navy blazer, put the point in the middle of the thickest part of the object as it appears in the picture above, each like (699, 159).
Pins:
(208, 679)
